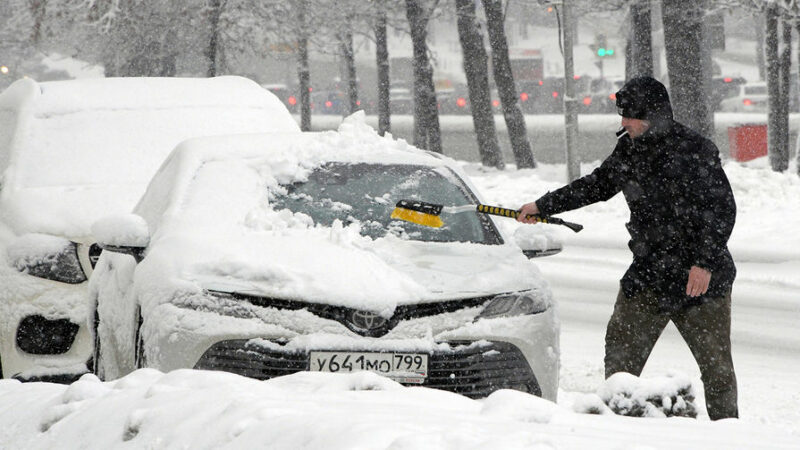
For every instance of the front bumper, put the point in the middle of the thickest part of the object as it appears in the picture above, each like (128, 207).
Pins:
(473, 369)
(43, 331)
(520, 352)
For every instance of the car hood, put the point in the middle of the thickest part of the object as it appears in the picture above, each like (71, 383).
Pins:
(341, 267)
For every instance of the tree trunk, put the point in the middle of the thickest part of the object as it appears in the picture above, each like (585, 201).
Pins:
(350, 68)
(427, 133)
(215, 11)
(774, 132)
(797, 143)
(641, 40)
(303, 72)
(779, 160)
(629, 54)
(382, 60)
(38, 9)
(762, 64)
(477, 72)
(501, 67)
(686, 59)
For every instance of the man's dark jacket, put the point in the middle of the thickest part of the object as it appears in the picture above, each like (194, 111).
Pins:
(682, 210)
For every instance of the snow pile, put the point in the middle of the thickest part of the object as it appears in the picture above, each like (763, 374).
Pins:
(211, 410)
(624, 394)
(629, 395)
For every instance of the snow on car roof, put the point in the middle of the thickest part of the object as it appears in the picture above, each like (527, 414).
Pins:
(74, 151)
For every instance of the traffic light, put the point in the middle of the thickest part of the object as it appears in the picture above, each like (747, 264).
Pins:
(601, 46)
(602, 51)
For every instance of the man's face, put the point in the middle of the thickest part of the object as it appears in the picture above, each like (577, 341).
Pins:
(635, 127)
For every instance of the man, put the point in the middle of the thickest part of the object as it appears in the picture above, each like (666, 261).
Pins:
(682, 214)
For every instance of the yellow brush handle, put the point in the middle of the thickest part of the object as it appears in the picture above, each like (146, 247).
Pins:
(505, 212)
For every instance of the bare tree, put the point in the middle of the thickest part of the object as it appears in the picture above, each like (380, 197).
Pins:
(778, 88)
(641, 43)
(215, 8)
(686, 59)
(501, 65)
(382, 64)
(427, 133)
(477, 72)
(291, 25)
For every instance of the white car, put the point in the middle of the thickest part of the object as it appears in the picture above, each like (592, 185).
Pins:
(70, 153)
(752, 97)
(272, 254)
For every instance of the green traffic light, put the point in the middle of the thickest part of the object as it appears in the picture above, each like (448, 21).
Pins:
(601, 52)
(610, 52)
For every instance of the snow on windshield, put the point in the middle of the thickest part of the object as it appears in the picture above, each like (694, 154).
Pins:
(366, 194)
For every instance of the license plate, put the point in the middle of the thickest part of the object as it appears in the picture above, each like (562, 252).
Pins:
(401, 367)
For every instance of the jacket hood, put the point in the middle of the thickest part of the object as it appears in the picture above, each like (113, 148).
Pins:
(644, 98)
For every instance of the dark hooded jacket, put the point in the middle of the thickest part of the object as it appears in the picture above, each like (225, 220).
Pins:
(681, 203)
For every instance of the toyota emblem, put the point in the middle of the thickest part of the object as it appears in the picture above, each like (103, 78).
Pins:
(366, 321)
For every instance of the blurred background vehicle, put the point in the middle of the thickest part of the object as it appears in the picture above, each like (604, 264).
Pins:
(750, 97)
(285, 94)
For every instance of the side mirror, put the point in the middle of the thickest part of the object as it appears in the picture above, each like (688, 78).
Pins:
(125, 233)
(536, 241)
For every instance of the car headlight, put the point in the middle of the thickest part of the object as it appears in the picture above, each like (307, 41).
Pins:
(50, 257)
(514, 304)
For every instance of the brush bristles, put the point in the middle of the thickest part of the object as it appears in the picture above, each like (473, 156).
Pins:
(419, 218)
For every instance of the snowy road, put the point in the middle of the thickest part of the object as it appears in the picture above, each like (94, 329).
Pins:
(766, 345)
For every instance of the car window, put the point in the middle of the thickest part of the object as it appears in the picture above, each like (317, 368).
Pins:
(367, 193)
(755, 90)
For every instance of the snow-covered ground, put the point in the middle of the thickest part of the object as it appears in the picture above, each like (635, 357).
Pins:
(195, 409)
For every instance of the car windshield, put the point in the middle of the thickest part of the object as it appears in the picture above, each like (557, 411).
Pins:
(367, 193)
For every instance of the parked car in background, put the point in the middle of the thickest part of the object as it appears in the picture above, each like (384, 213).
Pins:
(401, 99)
(70, 153)
(751, 97)
(329, 102)
(601, 98)
(283, 257)
(286, 95)
(454, 100)
(723, 88)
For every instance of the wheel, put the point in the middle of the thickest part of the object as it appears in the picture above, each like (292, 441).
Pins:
(140, 360)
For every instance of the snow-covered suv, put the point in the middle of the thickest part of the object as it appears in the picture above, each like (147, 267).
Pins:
(74, 151)
(270, 254)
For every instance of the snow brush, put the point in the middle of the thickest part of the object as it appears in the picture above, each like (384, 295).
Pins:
(428, 214)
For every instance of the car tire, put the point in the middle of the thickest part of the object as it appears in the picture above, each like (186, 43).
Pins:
(140, 361)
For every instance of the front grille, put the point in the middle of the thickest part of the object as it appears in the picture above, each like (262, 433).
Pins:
(474, 371)
(343, 314)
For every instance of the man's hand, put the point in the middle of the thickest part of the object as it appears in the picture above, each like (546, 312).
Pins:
(698, 281)
(528, 209)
